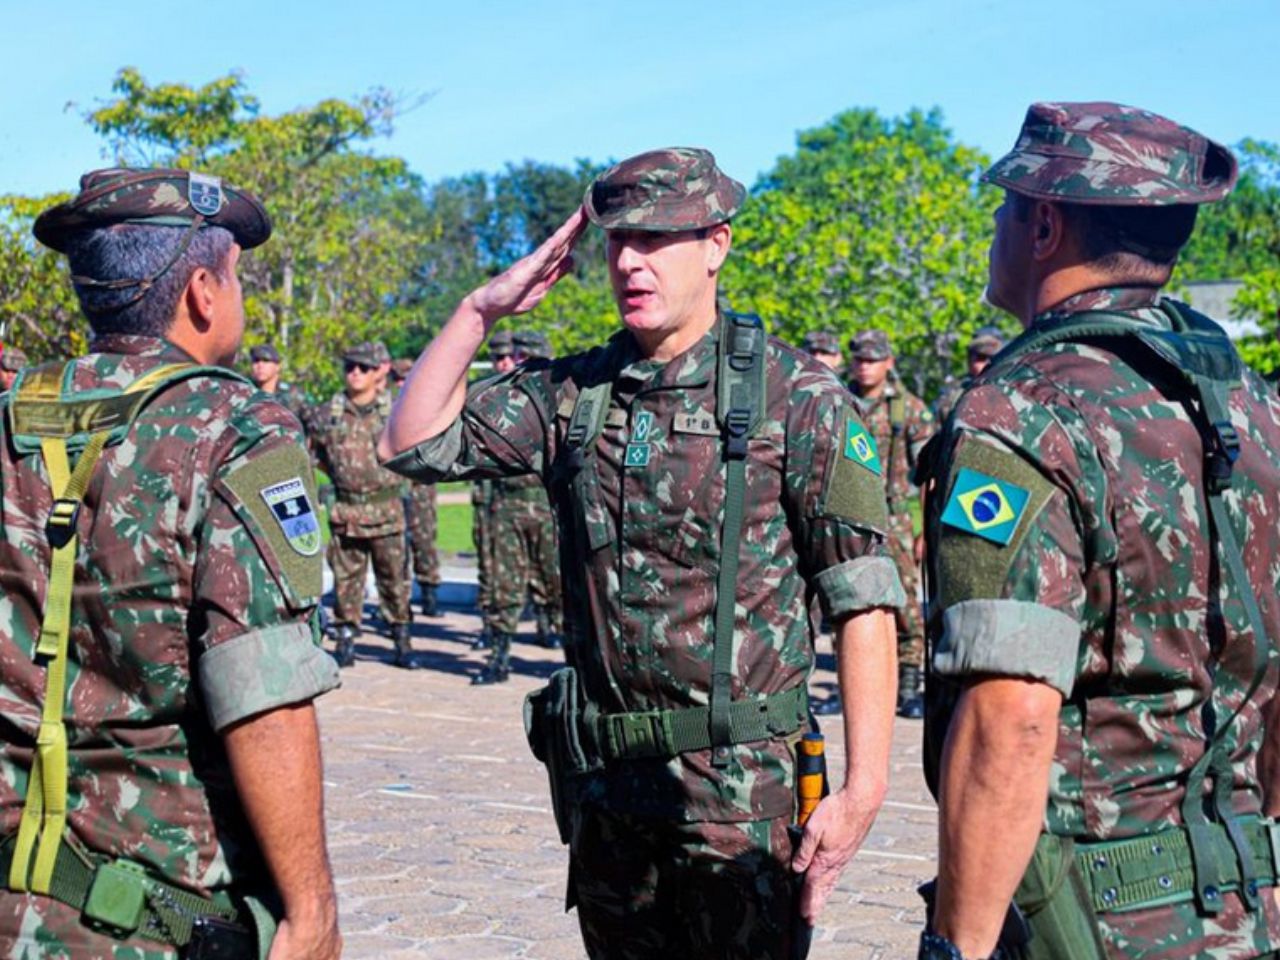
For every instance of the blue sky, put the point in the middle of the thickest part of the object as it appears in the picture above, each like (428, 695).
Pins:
(554, 81)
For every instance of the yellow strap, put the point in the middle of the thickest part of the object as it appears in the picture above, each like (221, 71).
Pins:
(44, 814)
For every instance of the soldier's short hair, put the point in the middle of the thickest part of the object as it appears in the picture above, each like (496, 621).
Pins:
(128, 250)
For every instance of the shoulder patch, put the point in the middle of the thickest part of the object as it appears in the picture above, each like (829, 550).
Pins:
(860, 446)
(985, 506)
(994, 499)
(854, 488)
(273, 494)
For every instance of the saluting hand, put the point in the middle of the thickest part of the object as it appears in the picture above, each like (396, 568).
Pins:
(521, 287)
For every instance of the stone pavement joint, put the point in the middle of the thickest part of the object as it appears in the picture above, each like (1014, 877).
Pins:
(442, 838)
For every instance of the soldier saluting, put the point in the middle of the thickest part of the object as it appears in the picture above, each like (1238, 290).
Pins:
(707, 478)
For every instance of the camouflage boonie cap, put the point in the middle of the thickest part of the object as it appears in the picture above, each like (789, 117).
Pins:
(381, 352)
(264, 351)
(500, 344)
(12, 360)
(363, 352)
(1112, 155)
(158, 197)
(532, 344)
(668, 191)
(870, 345)
(986, 342)
(820, 341)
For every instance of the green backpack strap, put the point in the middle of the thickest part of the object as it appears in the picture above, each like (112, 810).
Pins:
(740, 402)
(1199, 357)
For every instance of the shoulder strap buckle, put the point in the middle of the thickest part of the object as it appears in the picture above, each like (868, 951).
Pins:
(737, 424)
(1221, 454)
(61, 525)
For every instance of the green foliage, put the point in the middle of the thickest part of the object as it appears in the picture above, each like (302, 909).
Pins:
(874, 222)
(38, 310)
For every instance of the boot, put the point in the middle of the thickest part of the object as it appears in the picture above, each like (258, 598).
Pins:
(484, 639)
(430, 605)
(910, 698)
(829, 707)
(542, 624)
(498, 669)
(404, 647)
(344, 650)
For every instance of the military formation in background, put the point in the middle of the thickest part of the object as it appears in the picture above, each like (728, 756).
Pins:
(264, 371)
(985, 343)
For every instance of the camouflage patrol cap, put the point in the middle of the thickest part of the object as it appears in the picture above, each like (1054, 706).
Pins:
(532, 344)
(12, 360)
(158, 197)
(381, 352)
(365, 353)
(986, 342)
(870, 345)
(821, 341)
(666, 191)
(1108, 154)
(500, 344)
(264, 351)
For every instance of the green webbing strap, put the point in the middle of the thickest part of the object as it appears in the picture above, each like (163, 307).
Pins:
(44, 814)
(585, 425)
(897, 421)
(168, 913)
(668, 733)
(740, 400)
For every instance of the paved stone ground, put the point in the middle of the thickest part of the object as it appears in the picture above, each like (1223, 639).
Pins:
(443, 842)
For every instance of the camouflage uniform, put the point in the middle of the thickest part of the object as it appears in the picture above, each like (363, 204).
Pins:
(421, 517)
(500, 345)
(12, 362)
(523, 556)
(366, 519)
(984, 345)
(679, 855)
(193, 609)
(1090, 563)
(901, 425)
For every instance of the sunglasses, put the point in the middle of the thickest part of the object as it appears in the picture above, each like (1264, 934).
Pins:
(352, 365)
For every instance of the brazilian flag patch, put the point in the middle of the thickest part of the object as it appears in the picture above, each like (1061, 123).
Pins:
(860, 446)
(985, 506)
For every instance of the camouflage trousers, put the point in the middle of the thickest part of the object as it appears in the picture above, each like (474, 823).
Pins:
(480, 536)
(349, 557)
(524, 559)
(901, 544)
(420, 518)
(647, 888)
(35, 928)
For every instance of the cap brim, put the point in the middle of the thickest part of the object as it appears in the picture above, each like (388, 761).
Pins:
(1098, 182)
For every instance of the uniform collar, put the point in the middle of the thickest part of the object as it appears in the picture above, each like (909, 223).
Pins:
(1104, 298)
(693, 368)
(133, 345)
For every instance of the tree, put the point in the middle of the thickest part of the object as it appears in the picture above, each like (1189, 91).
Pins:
(339, 266)
(873, 222)
(38, 310)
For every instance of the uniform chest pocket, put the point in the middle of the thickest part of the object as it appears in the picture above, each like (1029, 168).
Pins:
(686, 485)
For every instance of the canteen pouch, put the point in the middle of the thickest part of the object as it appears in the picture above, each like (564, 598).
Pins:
(1055, 901)
(553, 724)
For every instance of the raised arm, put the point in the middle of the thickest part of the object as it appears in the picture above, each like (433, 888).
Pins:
(433, 394)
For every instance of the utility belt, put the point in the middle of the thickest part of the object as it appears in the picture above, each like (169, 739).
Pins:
(572, 738)
(121, 899)
(1069, 886)
(377, 496)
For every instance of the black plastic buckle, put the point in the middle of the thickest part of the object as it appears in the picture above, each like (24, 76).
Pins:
(1223, 452)
(61, 525)
(736, 423)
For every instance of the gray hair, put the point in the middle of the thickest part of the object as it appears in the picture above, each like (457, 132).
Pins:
(132, 251)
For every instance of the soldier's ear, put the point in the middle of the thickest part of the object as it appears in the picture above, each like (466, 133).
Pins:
(721, 238)
(1049, 222)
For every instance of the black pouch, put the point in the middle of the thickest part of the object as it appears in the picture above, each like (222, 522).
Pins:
(1055, 900)
(554, 724)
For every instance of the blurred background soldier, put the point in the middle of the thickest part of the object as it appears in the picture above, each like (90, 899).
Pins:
(422, 522)
(264, 371)
(524, 550)
(367, 517)
(12, 361)
(985, 343)
(901, 425)
(824, 345)
(502, 356)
